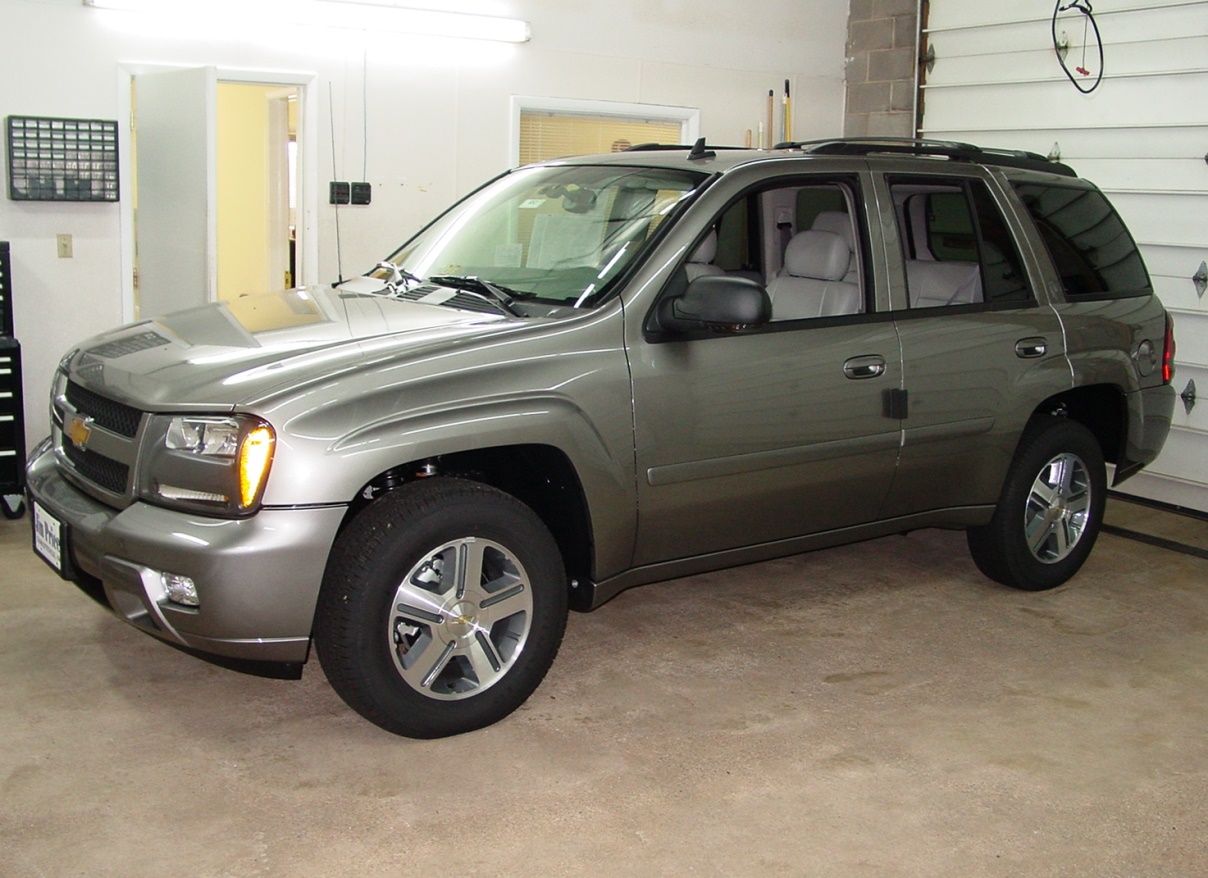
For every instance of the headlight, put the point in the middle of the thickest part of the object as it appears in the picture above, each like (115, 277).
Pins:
(215, 464)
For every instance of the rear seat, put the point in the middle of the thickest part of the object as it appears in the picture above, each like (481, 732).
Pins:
(933, 284)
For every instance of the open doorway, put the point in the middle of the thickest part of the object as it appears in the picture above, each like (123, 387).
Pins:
(220, 201)
(256, 126)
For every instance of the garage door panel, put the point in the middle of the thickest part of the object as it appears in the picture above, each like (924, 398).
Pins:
(1153, 14)
(1177, 293)
(959, 61)
(1147, 100)
(1078, 145)
(1156, 174)
(1191, 340)
(1175, 262)
(1182, 457)
(1171, 219)
(1197, 418)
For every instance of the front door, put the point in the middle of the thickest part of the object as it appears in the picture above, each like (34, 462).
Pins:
(751, 438)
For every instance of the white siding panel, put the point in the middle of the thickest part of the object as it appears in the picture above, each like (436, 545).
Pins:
(1144, 100)
(1195, 420)
(1154, 173)
(1191, 343)
(1142, 136)
(952, 14)
(1171, 269)
(1183, 456)
(1022, 55)
(1163, 219)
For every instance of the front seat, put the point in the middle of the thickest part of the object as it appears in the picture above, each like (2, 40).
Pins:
(701, 261)
(812, 285)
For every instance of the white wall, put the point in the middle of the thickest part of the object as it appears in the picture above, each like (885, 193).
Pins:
(437, 121)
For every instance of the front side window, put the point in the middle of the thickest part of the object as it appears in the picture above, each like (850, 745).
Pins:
(559, 234)
(1090, 247)
(798, 238)
(957, 248)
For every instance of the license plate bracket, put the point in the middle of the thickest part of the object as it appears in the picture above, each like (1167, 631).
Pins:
(50, 537)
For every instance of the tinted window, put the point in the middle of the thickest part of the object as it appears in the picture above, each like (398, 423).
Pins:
(1002, 270)
(1091, 249)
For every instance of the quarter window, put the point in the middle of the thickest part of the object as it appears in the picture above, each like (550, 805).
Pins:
(1092, 250)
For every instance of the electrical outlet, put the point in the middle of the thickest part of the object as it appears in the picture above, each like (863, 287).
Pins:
(361, 193)
(340, 193)
(63, 243)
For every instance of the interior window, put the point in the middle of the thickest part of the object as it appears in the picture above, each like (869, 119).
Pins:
(956, 246)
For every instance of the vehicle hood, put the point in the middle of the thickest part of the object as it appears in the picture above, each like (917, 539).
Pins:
(233, 352)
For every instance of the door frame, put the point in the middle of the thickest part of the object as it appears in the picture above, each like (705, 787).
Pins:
(306, 217)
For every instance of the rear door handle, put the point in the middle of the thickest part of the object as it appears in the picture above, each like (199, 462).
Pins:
(868, 366)
(1030, 348)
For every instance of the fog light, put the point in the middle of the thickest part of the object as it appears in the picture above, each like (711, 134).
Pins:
(180, 589)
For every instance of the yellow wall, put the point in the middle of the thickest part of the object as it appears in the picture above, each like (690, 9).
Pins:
(243, 189)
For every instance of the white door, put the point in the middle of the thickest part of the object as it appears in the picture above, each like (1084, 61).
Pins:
(1141, 135)
(175, 226)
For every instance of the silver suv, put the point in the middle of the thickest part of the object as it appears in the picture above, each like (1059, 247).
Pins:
(599, 372)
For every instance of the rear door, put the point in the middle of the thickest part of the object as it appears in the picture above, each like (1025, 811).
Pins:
(980, 349)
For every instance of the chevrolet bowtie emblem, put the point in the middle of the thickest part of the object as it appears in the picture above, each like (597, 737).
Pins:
(78, 430)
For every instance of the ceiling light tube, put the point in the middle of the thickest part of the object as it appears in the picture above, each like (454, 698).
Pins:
(341, 14)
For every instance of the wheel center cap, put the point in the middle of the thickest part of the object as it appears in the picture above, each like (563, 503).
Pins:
(462, 619)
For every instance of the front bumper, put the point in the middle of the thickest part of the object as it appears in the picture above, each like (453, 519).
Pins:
(257, 578)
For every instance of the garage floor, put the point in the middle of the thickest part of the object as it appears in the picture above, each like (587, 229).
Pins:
(872, 710)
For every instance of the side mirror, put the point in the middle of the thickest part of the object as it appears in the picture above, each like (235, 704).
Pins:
(717, 303)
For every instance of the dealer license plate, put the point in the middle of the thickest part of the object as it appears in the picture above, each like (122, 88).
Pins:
(48, 537)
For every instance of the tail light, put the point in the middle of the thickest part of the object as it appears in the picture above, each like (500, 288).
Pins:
(1168, 352)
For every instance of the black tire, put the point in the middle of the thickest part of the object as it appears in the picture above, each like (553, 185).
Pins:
(1050, 511)
(477, 646)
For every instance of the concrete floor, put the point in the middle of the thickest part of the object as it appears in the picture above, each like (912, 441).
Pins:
(875, 710)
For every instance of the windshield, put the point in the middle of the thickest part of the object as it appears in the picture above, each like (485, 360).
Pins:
(559, 234)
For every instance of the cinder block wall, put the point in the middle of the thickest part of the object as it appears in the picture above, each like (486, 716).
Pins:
(882, 54)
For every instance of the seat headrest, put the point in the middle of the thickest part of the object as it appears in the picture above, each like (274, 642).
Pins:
(706, 250)
(838, 222)
(817, 254)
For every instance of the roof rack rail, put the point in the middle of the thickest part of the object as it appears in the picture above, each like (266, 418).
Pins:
(950, 149)
(670, 147)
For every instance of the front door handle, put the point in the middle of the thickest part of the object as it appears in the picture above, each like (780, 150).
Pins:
(868, 366)
(1031, 348)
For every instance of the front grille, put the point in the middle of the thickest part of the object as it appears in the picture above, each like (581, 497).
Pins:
(98, 469)
(113, 416)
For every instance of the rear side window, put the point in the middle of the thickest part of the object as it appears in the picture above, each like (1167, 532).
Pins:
(1090, 247)
(956, 245)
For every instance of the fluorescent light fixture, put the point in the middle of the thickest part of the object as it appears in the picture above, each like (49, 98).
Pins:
(341, 14)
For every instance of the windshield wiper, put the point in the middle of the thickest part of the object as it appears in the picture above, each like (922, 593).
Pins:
(501, 296)
(398, 277)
